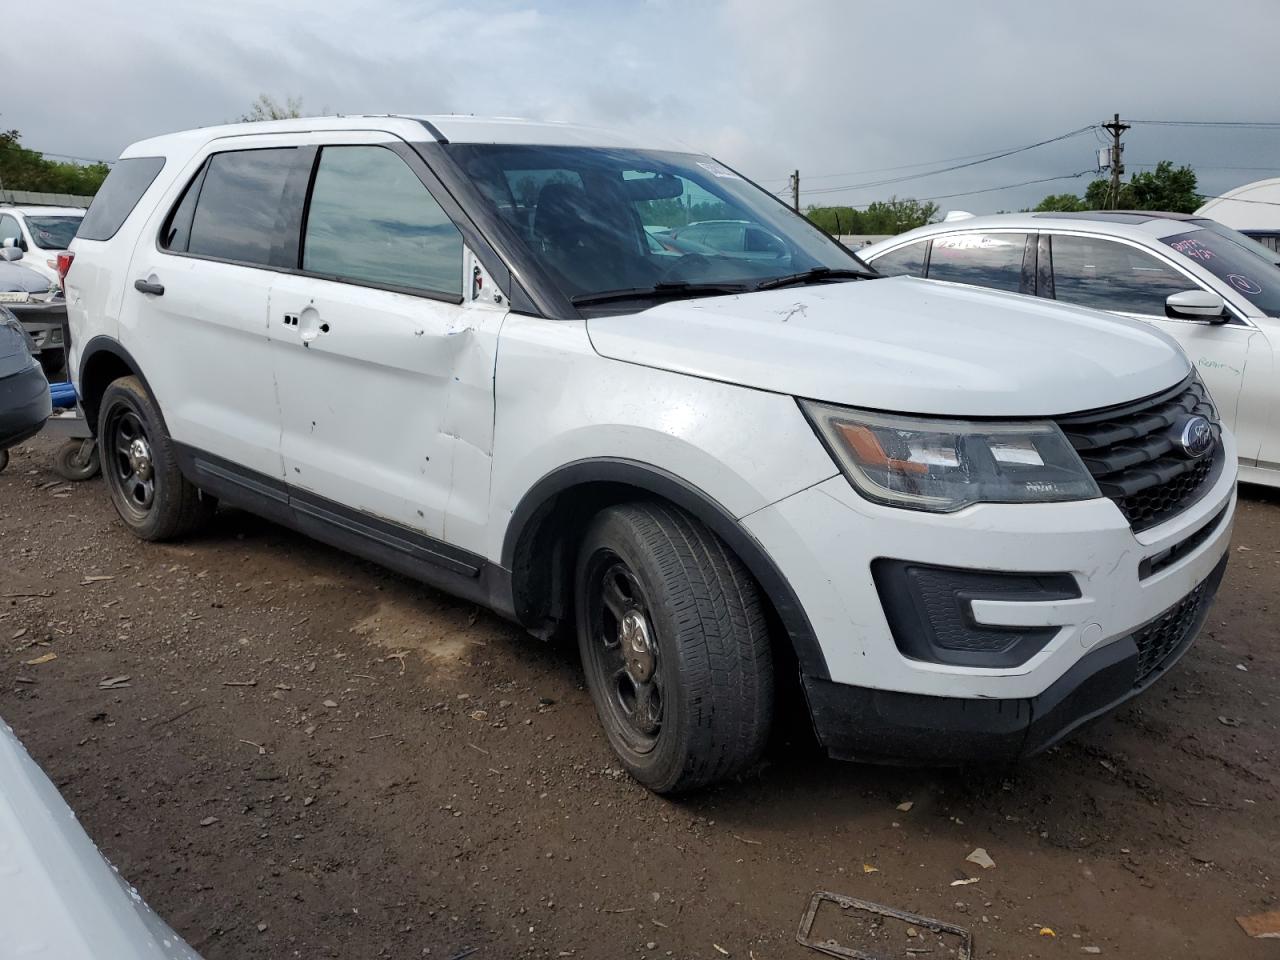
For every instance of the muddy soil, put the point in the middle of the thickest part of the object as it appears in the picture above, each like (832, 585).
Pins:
(315, 758)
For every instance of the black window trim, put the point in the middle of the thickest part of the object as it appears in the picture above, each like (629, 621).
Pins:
(1239, 320)
(286, 245)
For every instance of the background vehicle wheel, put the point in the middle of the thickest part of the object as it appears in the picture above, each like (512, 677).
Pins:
(77, 460)
(674, 645)
(150, 493)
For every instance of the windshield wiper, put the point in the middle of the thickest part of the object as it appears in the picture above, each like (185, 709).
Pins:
(813, 276)
(673, 290)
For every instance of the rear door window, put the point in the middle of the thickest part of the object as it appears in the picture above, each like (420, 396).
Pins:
(118, 195)
(983, 259)
(236, 213)
(906, 261)
(1101, 273)
(371, 220)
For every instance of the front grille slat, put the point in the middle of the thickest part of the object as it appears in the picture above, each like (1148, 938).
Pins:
(1129, 452)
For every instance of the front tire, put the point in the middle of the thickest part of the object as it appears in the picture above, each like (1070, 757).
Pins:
(152, 497)
(675, 647)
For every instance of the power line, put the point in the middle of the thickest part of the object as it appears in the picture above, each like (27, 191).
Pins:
(1263, 124)
(67, 156)
(901, 166)
(959, 166)
(968, 193)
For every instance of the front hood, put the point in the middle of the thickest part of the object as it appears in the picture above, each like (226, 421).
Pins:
(904, 345)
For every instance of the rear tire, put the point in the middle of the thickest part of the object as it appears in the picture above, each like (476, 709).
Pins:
(77, 460)
(152, 497)
(675, 647)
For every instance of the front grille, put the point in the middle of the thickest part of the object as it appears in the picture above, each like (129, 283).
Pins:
(1166, 634)
(1136, 460)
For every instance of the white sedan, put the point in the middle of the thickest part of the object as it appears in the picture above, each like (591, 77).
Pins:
(1211, 288)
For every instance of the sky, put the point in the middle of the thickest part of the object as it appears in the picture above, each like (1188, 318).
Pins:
(839, 89)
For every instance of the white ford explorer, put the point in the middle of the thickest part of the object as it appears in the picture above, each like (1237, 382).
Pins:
(968, 522)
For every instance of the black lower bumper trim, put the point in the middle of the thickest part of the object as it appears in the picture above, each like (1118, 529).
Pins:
(25, 405)
(880, 726)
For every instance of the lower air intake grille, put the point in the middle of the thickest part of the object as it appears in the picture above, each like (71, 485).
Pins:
(1162, 636)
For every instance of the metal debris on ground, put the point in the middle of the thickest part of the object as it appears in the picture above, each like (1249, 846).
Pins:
(804, 936)
(115, 683)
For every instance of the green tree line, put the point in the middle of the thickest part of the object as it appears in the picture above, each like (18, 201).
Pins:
(23, 169)
(1165, 188)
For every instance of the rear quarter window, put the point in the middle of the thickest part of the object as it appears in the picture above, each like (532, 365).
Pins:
(118, 195)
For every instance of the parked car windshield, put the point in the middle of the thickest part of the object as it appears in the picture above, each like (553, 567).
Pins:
(602, 220)
(1256, 279)
(1235, 236)
(53, 233)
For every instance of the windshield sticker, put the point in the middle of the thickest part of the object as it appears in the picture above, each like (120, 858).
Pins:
(1194, 249)
(1243, 283)
(980, 241)
(718, 170)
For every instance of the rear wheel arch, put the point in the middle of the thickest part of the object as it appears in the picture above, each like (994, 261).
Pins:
(545, 528)
(102, 362)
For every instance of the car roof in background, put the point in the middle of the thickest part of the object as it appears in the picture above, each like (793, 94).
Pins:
(1119, 216)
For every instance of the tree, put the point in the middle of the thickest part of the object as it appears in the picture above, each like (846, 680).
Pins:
(883, 216)
(267, 108)
(23, 169)
(1060, 202)
(1165, 188)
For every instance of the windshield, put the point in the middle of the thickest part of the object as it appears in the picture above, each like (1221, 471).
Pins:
(602, 221)
(1235, 236)
(53, 233)
(1254, 278)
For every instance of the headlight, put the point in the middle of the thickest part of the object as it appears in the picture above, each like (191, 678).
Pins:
(944, 465)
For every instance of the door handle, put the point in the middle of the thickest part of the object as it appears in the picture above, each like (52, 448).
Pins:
(149, 286)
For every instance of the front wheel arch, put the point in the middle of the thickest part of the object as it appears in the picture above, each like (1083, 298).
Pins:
(540, 545)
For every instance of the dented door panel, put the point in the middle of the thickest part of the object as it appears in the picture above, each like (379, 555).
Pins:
(378, 391)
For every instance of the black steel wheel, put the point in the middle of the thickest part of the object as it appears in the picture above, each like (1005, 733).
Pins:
(150, 494)
(674, 647)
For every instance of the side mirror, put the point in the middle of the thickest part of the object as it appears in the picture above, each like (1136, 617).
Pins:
(1197, 305)
(10, 253)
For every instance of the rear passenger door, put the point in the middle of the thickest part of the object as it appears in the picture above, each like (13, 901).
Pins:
(194, 313)
(385, 380)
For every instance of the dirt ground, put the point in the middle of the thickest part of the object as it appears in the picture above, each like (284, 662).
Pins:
(315, 758)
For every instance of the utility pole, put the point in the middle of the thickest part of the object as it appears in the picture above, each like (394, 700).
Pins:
(1115, 128)
(795, 191)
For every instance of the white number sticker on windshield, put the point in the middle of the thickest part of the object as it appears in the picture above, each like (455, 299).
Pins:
(718, 170)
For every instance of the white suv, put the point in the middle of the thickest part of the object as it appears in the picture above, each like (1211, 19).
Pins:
(968, 522)
(41, 233)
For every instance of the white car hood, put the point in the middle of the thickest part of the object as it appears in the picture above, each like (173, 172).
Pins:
(906, 345)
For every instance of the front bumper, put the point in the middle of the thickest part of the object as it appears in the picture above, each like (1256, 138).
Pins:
(872, 699)
(25, 405)
(860, 723)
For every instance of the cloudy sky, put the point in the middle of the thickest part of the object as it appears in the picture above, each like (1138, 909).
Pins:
(840, 89)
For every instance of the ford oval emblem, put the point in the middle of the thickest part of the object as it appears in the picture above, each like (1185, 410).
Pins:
(1196, 437)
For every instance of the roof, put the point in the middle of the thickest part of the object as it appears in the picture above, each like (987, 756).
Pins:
(31, 211)
(442, 128)
(1134, 225)
(1118, 216)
